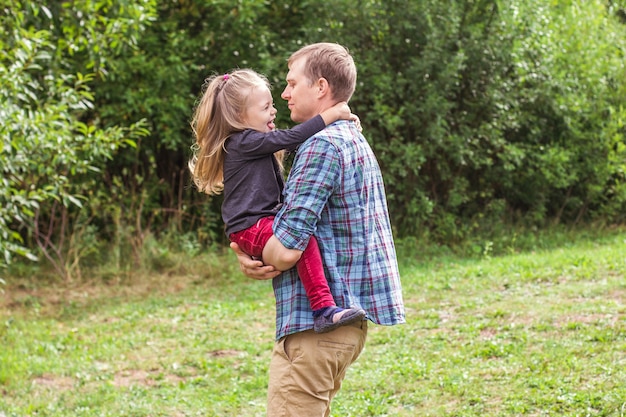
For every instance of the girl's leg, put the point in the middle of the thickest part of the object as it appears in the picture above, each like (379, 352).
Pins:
(326, 315)
(253, 239)
(311, 272)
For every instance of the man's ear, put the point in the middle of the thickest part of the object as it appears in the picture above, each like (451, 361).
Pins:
(323, 88)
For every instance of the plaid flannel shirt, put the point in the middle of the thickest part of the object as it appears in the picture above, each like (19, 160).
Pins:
(335, 191)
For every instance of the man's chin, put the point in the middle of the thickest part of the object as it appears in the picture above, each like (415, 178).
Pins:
(297, 118)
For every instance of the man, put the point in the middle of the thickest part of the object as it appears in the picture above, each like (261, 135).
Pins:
(335, 191)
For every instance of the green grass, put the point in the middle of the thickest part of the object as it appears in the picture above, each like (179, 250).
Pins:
(537, 333)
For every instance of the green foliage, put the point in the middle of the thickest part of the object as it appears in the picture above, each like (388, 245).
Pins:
(482, 114)
(570, 64)
(51, 157)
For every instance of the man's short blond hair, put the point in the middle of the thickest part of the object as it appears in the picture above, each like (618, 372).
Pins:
(332, 62)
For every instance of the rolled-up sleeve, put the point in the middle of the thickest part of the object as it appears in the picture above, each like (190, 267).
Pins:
(312, 180)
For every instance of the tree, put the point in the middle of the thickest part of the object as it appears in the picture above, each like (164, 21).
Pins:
(50, 155)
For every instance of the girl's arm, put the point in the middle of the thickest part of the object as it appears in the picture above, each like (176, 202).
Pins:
(254, 143)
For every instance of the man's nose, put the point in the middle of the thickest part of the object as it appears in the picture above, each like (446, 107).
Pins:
(285, 94)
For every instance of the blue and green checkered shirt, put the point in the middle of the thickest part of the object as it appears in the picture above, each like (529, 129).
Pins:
(335, 191)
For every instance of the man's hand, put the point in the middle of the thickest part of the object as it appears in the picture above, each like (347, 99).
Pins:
(252, 268)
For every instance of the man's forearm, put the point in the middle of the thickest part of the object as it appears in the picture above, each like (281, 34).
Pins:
(275, 254)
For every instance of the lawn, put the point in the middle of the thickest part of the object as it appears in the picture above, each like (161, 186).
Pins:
(536, 333)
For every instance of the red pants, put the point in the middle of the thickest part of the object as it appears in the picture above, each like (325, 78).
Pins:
(310, 269)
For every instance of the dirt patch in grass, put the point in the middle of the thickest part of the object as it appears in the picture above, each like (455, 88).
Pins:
(126, 378)
(226, 353)
(54, 382)
(47, 297)
(610, 320)
(133, 377)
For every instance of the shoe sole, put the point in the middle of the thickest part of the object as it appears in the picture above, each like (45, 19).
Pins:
(347, 318)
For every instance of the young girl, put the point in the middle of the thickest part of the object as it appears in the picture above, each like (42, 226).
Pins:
(235, 149)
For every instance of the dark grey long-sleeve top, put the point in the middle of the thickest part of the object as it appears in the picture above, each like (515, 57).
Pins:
(253, 183)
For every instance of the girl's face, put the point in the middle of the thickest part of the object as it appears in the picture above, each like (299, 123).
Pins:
(260, 112)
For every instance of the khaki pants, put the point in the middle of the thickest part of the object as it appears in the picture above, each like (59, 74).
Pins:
(306, 370)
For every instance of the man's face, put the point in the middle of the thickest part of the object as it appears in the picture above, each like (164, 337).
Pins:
(301, 97)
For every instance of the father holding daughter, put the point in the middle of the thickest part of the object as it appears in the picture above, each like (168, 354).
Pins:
(334, 192)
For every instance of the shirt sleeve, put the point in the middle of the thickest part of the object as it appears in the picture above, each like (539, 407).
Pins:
(313, 178)
(254, 143)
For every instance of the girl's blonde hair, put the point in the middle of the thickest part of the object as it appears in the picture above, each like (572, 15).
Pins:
(220, 113)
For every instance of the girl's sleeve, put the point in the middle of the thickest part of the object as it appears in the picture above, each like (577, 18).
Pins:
(254, 143)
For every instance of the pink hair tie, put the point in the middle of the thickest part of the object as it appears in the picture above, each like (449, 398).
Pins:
(225, 77)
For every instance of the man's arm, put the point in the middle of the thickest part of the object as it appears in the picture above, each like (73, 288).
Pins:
(312, 180)
(274, 253)
(308, 188)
